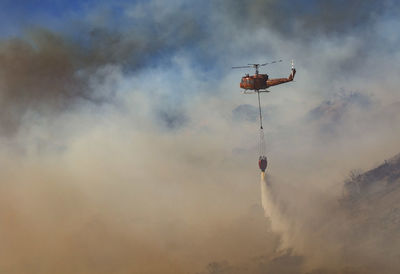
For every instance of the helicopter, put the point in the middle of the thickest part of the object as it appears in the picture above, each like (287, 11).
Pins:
(260, 82)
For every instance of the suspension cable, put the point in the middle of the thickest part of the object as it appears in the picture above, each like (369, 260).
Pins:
(259, 107)
(262, 138)
(262, 143)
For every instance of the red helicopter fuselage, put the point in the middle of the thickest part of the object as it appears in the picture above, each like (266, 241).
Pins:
(261, 81)
(254, 82)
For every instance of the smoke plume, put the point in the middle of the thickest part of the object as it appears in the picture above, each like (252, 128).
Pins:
(126, 146)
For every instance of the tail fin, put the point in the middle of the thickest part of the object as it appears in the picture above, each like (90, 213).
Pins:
(293, 73)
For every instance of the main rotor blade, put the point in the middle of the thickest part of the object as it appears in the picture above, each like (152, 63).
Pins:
(273, 62)
(242, 67)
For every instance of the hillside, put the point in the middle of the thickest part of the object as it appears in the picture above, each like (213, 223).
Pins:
(374, 184)
(372, 206)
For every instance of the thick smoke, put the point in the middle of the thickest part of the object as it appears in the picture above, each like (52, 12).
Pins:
(48, 72)
(128, 148)
(306, 18)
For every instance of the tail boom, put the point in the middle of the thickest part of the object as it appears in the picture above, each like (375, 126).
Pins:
(278, 81)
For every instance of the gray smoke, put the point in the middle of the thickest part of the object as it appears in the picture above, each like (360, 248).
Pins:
(130, 149)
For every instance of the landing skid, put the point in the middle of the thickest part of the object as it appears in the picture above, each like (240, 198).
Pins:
(255, 92)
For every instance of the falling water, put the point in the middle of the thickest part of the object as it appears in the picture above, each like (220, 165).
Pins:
(272, 211)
